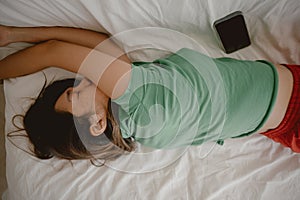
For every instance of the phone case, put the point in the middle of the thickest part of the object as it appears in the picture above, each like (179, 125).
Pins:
(232, 31)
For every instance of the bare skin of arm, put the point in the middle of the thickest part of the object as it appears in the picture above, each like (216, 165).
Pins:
(82, 37)
(110, 74)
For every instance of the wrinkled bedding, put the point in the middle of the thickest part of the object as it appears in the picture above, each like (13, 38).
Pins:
(252, 167)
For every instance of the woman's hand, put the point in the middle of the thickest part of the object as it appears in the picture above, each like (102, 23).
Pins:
(5, 35)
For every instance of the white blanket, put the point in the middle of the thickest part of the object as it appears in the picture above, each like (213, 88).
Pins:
(247, 168)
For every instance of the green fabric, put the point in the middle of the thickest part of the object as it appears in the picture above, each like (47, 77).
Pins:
(189, 98)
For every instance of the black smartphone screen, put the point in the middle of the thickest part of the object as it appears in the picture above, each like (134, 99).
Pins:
(233, 32)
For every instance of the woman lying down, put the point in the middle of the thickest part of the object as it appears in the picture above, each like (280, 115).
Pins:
(186, 98)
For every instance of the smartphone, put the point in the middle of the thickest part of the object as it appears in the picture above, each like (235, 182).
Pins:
(232, 31)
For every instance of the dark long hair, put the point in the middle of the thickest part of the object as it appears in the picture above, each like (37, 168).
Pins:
(60, 134)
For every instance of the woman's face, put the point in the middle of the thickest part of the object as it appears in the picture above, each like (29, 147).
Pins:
(85, 99)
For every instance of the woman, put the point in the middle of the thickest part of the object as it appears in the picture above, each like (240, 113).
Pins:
(183, 99)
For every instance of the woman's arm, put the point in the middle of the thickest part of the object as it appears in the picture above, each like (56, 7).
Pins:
(78, 36)
(25, 62)
(82, 37)
(111, 75)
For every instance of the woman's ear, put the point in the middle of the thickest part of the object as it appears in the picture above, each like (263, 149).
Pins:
(98, 124)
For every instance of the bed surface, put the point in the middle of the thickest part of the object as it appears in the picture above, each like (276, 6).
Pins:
(246, 168)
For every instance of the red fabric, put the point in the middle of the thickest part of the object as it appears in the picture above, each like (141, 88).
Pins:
(288, 132)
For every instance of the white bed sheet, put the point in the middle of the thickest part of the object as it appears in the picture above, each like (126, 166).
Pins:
(247, 168)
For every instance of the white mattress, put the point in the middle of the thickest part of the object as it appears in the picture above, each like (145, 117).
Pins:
(247, 168)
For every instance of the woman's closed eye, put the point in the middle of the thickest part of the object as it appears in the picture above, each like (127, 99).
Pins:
(71, 93)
